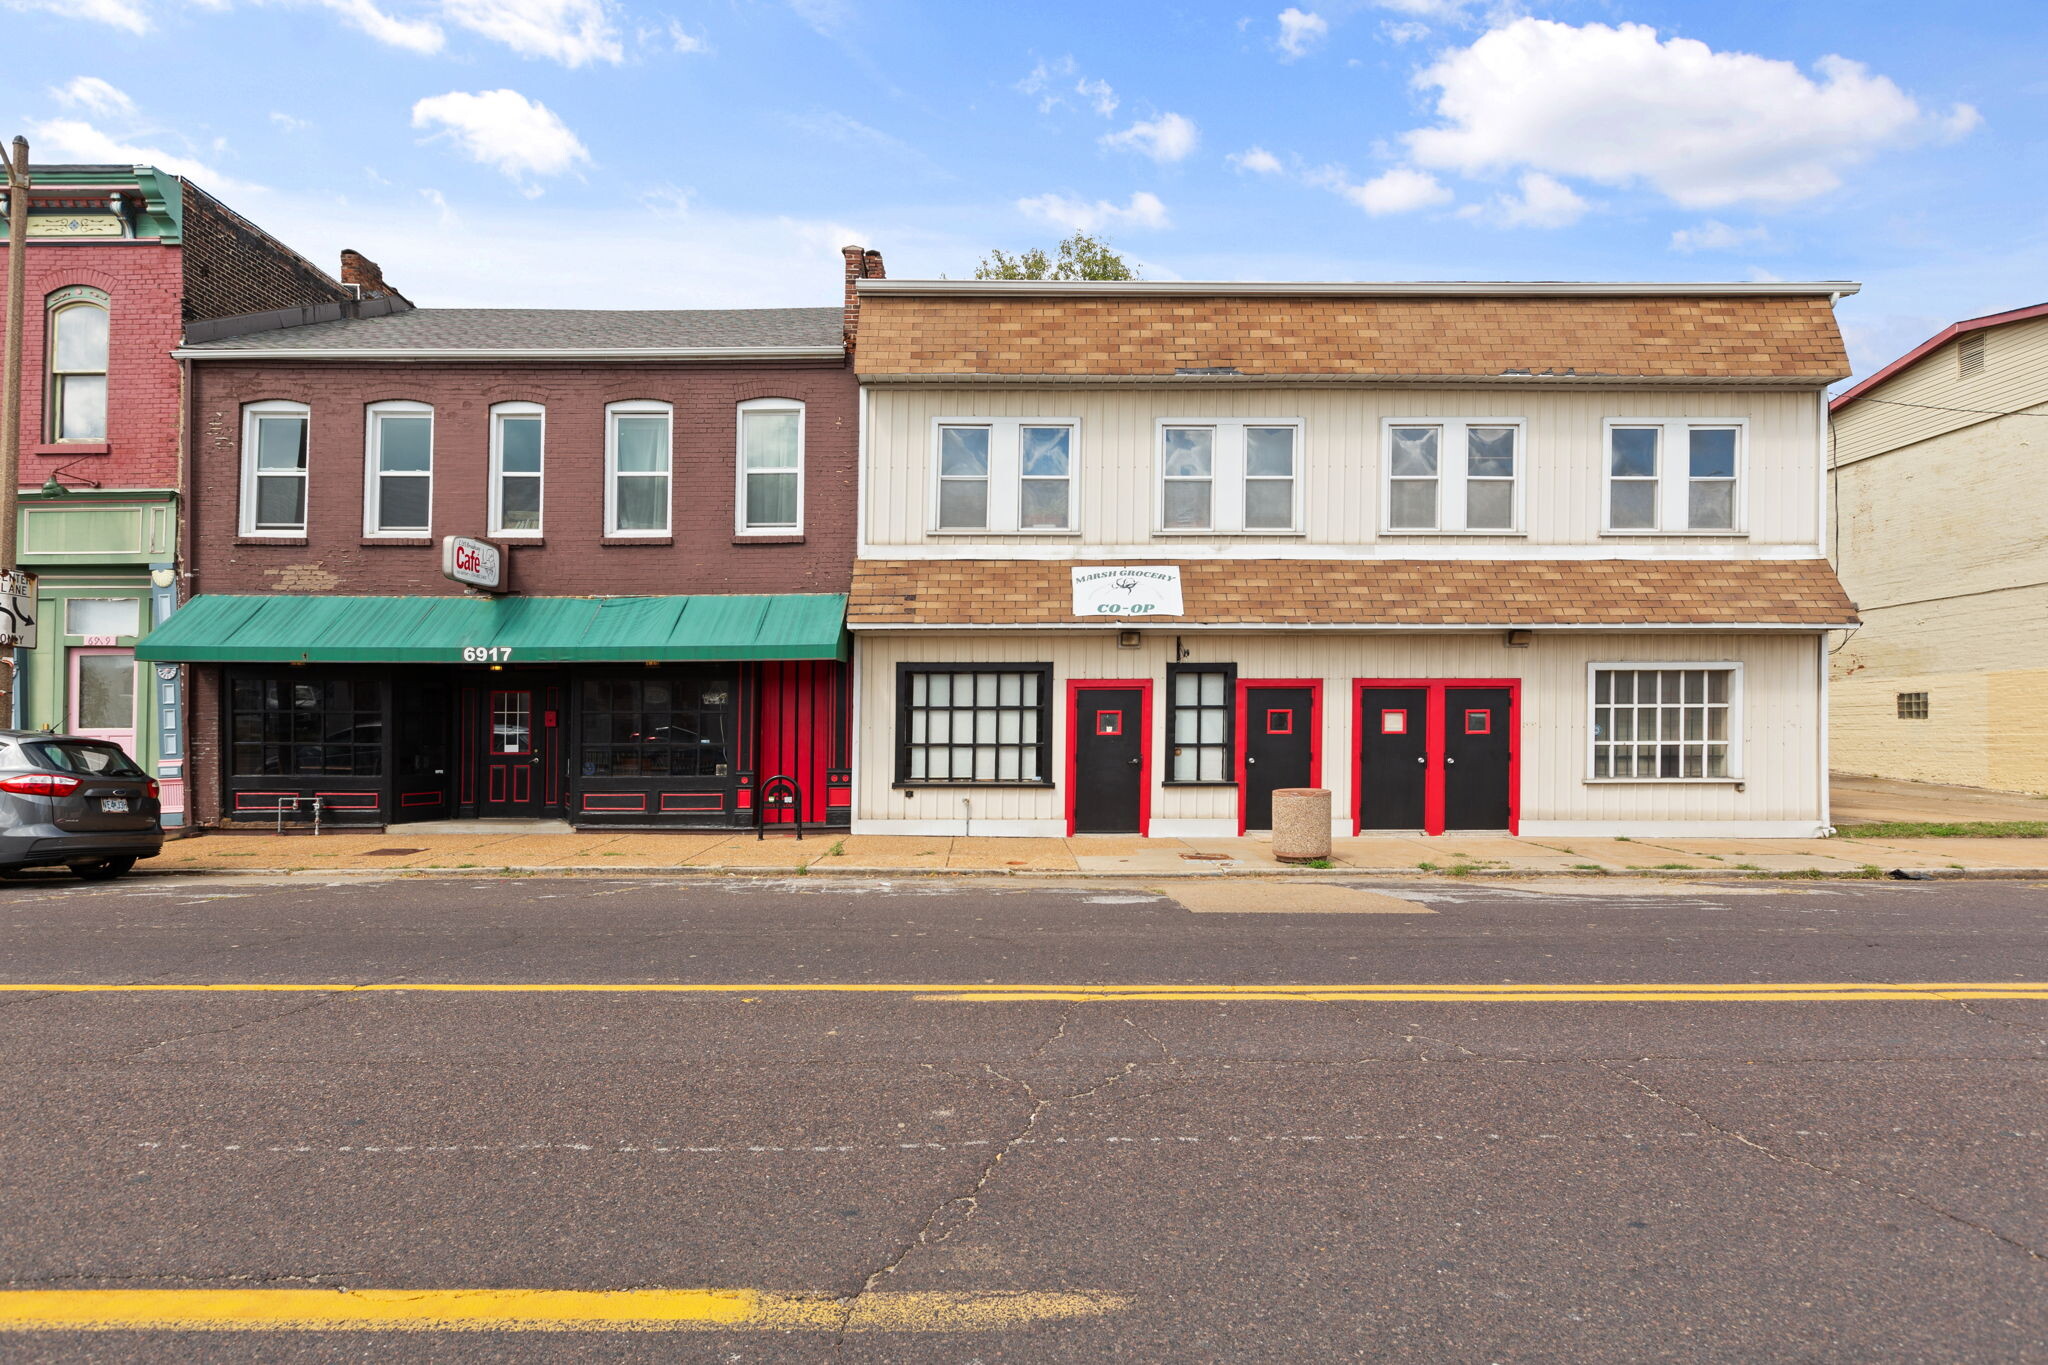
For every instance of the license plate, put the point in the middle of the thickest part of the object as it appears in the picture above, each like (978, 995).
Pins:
(114, 805)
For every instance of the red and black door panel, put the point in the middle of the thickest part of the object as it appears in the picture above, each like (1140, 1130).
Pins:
(1279, 747)
(1109, 760)
(1478, 768)
(1394, 768)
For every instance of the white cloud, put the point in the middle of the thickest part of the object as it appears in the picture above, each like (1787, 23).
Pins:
(1047, 83)
(1543, 202)
(684, 40)
(413, 35)
(1256, 159)
(64, 139)
(1099, 96)
(285, 123)
(572, 32)
(1170, 137)
(95, 96)
(1404, 31)
(503, 128)
(826, 17)
(1078, 215)
(1401, 190)
(1429, 9)
(1715, 235)
(1705, 128)
(115, 13)
(1300, 30)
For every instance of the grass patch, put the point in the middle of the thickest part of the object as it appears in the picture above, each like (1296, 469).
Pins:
(1593, 868)
(1869, 872)
(1959, 829)
(838, 849)
(1677, 867)
(1804, 874)
(1427, 867)
(1623, 839)
(1749, 867)
(1319, 864)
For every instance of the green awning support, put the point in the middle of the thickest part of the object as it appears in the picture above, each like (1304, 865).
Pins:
(222, 628)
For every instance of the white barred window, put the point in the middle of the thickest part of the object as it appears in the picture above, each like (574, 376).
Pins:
(973, 725)
(1665, 723)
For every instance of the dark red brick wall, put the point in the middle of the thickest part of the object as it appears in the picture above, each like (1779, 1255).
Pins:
(234, 267)
(574, 561)
(142, 282)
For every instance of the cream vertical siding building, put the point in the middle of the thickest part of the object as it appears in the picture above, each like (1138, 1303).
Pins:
(1943, 540)
(1539, 558)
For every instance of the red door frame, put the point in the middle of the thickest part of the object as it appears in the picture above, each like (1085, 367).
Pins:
(1435, 704)
(1143, 687)
(1315, 731)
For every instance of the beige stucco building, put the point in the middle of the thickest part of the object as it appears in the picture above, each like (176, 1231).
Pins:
(1545, 558)
(1942, 539)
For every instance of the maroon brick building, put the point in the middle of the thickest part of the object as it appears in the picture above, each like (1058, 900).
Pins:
(672, 495)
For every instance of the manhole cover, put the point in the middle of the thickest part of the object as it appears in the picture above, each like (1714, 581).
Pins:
(392, 852)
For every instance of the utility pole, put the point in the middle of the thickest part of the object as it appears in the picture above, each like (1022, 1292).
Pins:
(10, 408)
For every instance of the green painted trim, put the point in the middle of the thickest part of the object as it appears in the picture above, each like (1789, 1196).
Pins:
(161, 219)
(45, 670)
(106, 529)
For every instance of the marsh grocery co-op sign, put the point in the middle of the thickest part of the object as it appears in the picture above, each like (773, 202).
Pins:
(1127, 592)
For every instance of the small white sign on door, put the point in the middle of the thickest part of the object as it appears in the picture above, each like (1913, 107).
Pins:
(1123, 591)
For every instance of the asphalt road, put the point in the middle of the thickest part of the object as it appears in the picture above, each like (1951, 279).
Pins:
(1228, 1180)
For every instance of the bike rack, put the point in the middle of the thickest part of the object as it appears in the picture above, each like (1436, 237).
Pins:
(298, 805)
(783, 793)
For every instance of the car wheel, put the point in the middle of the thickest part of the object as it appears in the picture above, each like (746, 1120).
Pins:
(102, 869)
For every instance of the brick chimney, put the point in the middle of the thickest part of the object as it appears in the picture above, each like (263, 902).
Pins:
(359, 270)
(862, 263)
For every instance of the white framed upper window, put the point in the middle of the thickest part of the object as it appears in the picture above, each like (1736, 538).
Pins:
(518, 457)
(1675, 476)
(398, 457)
(77, 353)
(1005, 474)
(274, 468)
(1235, 476)
(637, 462)
(1453, 474)
(771, 467)
(1664, 722)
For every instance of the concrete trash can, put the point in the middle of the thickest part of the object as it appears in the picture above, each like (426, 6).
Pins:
(1301, 824)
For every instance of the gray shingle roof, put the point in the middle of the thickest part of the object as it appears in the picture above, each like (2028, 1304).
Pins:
(551, 329)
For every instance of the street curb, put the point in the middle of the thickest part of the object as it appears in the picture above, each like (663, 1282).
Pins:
(1041, 874)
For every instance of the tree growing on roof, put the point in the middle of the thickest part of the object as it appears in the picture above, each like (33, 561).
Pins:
(1081, 257)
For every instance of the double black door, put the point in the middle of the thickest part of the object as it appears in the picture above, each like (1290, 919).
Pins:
(1436, 757)
(1279, 747)
(1109, 760)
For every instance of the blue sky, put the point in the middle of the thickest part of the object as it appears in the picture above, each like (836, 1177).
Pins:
(647, 154)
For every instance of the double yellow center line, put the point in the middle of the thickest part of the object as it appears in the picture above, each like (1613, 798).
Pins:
(1742, 992)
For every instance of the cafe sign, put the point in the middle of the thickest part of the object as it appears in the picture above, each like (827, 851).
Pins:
(1127, 592)
(478, 563)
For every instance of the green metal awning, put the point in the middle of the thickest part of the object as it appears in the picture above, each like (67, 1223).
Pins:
(522, 630)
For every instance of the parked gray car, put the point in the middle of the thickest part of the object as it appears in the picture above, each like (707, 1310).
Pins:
(74, 802)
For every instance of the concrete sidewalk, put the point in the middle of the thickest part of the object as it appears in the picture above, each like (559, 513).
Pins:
(1093, 855)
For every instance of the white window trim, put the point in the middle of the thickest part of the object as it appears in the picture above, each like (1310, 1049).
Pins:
(1451, 483)
(1006, 476)
(373, 461)
(1227, 477)
(1672, 507)
(274, 407)
(495, 518)
(740, 525)
(636, 407)
(1736, 718)
(56, 304)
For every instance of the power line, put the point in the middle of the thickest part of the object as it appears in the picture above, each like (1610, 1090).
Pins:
(1936, 407)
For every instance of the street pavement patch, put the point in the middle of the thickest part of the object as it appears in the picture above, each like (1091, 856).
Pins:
(1286, 898)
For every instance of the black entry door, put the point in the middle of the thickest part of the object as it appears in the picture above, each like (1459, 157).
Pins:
(510, 785)
(1279, 745)
(1477, 745)
(1109, 760)
(1394, 771)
